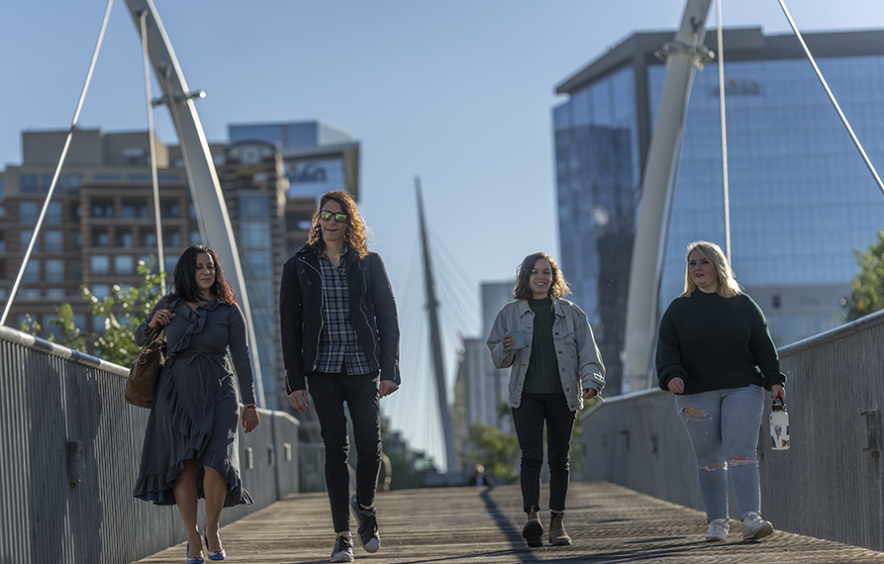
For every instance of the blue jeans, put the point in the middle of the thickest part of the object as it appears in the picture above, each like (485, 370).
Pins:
(723, 428)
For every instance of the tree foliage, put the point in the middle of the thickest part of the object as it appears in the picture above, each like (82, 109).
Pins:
(867, 287)
(495, 450)
(123, 311)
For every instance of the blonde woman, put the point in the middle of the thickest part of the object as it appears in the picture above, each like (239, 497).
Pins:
(555, 366)
(716, 355)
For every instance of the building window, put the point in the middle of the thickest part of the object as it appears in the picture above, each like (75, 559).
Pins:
(30, 293)
(100, 291)
(76, 270)
(134, 210)
(171, 238)
(99, 324)
(254, 235)
(32, 271)
(124, 238)
(77, 242)
(53, 241)
(195, 237)
(2, 243)
(75, 212)
(27, 183)
(53, 214)
(27, 212)
(191, 211)
(258, 264)
(170, 262)
(24, 239)
(148, 239)
(124, 265)
(99, 265)
(100, 238)
(107, 177)
(2, 188)
(54, 270)
(55, 293)
(45, 183)
(102, 208)
(170, 210)
(255, 206)
(73, 182)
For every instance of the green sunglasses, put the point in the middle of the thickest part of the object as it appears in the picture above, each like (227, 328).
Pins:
(327, 215)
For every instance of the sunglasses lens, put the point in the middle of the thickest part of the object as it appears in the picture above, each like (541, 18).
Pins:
(340, 217)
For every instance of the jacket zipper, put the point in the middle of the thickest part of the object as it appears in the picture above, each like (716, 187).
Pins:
(321, 305)
(374, 345)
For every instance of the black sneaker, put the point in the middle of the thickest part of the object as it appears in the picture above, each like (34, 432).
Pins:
(368, 526)
(343, 551)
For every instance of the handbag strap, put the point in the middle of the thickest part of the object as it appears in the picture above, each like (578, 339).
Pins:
(154, 334)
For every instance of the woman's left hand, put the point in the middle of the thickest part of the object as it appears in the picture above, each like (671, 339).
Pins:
(250, 419)
(778, 393)
(589, 393)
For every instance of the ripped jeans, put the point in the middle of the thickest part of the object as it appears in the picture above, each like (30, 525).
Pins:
(723, 428)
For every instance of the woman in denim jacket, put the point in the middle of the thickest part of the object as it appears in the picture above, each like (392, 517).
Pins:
(555, 366)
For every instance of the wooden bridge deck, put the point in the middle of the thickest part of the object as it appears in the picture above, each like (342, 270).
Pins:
(608, 523)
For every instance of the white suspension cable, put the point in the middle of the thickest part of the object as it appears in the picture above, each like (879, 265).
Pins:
(819, 75)
(64, 152)
(724, 176)
(161, 267)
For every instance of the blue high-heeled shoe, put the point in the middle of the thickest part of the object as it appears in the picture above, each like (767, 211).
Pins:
(220, 555)
(197, 560)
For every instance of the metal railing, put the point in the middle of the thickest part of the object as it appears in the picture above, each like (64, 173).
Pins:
(71, 451)
(827, 485)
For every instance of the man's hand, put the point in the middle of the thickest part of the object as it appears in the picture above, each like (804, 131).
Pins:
(387, 387)
(299, 400)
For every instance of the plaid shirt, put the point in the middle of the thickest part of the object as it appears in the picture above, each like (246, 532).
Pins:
(338, 342)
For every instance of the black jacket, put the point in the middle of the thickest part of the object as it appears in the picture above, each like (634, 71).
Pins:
(372, 313)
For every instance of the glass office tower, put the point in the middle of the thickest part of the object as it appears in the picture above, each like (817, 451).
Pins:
(801, 199)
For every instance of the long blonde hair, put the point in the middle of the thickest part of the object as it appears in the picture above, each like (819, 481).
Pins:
(727, 281)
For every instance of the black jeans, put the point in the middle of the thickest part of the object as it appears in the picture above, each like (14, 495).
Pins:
(528, 419)
(329, 392)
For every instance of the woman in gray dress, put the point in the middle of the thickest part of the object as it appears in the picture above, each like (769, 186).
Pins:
(190, 446)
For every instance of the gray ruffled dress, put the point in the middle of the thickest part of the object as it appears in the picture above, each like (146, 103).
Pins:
(195, 411)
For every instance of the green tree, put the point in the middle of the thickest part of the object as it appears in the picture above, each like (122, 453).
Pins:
(867, 287)
(123, 311)
(496, 451)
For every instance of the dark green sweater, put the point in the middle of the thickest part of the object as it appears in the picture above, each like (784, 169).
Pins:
(542, 376)
(715, 343)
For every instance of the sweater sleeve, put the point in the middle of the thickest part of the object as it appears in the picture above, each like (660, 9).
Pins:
(762, 347)
(668, 360)
(239, 352)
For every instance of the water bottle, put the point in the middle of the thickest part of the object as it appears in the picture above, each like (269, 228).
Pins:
(779, 426)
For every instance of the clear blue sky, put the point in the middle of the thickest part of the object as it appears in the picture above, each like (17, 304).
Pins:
(457, 92)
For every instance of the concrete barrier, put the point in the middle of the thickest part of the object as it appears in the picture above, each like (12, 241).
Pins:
(827, 485)
(71, 450)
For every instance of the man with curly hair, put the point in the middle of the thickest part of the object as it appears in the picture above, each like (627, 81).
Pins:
(340, 335)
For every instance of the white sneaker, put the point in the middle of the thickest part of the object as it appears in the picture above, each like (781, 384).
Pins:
(717, 530)
(754, 527)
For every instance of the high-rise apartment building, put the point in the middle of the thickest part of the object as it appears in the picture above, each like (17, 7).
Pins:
(100, 221)
(801, 199)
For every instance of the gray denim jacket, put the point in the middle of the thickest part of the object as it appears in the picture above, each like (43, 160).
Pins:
(580, 363)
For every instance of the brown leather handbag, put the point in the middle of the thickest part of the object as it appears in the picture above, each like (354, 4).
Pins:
(144, 374)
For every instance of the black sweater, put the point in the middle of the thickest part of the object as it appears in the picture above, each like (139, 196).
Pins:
(715, 343)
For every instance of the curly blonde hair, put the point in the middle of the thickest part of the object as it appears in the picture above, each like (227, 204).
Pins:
(727, 281)
(355, 237)
(558, 288)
